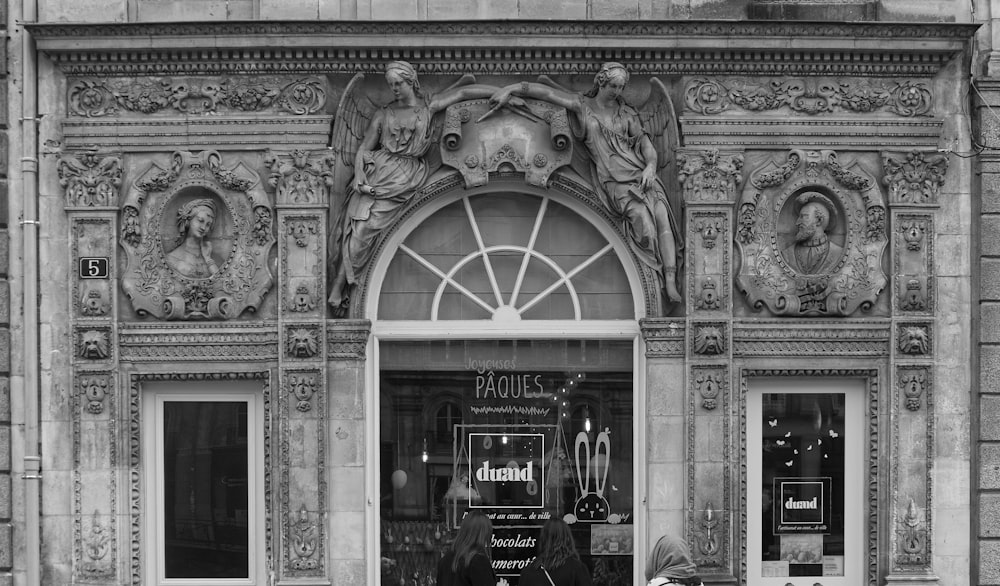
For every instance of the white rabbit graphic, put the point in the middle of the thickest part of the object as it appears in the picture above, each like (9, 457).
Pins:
(592, 506)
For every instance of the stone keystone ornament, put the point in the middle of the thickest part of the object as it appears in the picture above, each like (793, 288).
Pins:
(810, 237)
(197, 236)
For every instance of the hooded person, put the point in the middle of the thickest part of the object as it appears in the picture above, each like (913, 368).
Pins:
(670, 563)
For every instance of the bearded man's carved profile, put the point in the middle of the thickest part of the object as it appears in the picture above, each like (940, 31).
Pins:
(813, 252)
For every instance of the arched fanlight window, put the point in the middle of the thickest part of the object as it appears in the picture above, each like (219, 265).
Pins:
(506, 257)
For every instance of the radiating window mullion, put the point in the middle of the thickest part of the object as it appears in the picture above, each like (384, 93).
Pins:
(482, 250)
(445, 280)
(565, 279)
(527, 255)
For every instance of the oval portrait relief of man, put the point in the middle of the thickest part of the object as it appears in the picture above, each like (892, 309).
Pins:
(195, 236)
(812, 233)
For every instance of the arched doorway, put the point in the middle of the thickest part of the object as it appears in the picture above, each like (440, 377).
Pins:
(508, 316)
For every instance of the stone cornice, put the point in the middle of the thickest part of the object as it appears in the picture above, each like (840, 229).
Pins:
(504, 47)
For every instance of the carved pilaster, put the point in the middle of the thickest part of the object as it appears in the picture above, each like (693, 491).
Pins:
(709, 264)
(914, 178)
(913, 263)
(912, 457)
(303, 500)
(709, 469)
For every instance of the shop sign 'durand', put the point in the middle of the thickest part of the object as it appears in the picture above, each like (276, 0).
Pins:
(507, 469)
(805, 505)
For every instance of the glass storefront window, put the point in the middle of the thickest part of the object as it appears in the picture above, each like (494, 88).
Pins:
(523, 430)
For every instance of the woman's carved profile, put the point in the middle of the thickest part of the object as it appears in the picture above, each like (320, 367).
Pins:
(193, 255)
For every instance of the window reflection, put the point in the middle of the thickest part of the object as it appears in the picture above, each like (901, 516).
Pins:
(205, 503)
(515, 418)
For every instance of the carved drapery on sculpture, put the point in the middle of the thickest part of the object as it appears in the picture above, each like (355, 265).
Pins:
(197, 237)
(151, 95)
(808, 96)
(810, 236)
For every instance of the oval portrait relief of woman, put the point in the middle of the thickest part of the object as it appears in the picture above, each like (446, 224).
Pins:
(197, 243)
(812, 234)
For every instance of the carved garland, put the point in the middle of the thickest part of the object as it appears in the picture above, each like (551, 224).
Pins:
(872, 450)
(93, 98)
(137, 491)
(810, 96)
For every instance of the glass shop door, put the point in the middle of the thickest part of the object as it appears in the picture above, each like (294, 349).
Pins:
(806, 466)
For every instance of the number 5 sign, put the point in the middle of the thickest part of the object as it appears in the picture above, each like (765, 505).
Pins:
(95, 267)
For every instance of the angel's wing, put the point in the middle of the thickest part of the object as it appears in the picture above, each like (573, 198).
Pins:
(659, 120)
(354, 113)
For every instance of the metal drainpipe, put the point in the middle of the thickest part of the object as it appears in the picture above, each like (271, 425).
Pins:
(29, 272)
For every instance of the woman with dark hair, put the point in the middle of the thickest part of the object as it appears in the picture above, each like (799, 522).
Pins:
(469, 561)
(558, 563)
(670, 563)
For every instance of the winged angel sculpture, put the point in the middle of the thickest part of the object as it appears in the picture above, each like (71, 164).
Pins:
(380, 164)
(629, 149)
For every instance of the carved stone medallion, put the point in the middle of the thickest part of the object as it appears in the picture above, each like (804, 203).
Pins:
(810, 237)
(197, 237)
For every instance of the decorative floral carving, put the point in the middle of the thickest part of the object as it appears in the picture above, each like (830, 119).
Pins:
(305, 539)
(875, 228)
(844, 176)
(913, 297)
(912, 382)
(216, 271)
(96, 546)
(302, 342)
(912, 537)
(90, 179)
(810, 96)
(708, 538)
(709, 232)
(109, 97)
(708, 383)
(94, 302)
(302, 301)
(95, 344)
(916, 179)
(94, 389)
(709, 296)
(773, 175)
(913, 234)
(303, 386)
(915, 340)
(708, 176)
(747, 221)
(709, 340)
(300, 177)
(300, 231)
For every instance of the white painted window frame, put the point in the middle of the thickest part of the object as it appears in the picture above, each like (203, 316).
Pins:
(153, 401)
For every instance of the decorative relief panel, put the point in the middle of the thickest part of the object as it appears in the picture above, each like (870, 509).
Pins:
(913, 448)
(348, 339)
(300, 177)
(302, 341)
(94, 343)
(849, 338)
(811, 234)
(170, 343)
(709, 175)
(709, 339)
(915, 177)
(664, 337)
(90, 179)
(913, 340)
(118, 96)
(913, 262)
(302, 267)
(92, 237)
(709, 468)
(809, 96)
(197, 237)
(303, 416)
(708, 259)
(95, 466)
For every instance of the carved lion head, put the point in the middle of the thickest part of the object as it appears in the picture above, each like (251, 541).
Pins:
(913, 340)
(709, 340)
(94, 345)
(302, 343)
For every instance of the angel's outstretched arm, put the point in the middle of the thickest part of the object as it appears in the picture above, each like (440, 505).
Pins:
(567, 100)
(450, 96)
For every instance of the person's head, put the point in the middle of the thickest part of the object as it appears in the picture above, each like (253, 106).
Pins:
(814, 216)
(555, 544)
(610, 80)
(670, 558)
(196, 217)
(474, 536)
(402, 79)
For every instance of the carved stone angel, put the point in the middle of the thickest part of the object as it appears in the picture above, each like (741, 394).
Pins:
(380, 165)
(628, 148)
